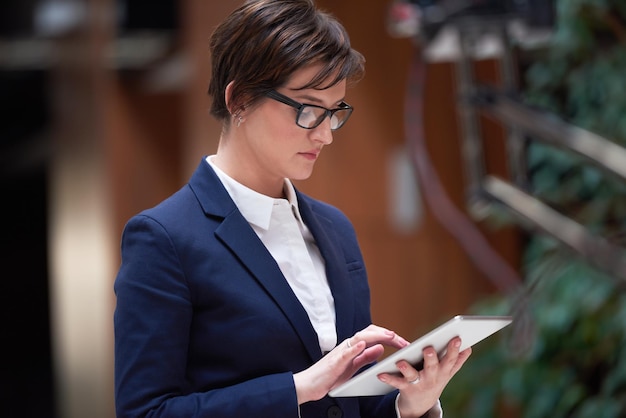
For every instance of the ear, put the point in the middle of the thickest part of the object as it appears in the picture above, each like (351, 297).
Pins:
(227, 95)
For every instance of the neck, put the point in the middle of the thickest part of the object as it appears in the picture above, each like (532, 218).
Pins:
(246, 174)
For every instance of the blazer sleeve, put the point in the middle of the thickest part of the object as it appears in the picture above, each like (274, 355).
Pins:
(152, 323)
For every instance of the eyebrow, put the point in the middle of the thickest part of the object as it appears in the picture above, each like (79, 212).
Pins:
(312, 99)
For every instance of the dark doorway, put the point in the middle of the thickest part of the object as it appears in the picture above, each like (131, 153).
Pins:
(27, 376)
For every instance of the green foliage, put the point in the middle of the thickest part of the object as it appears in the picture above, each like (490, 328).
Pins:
(581, 78)
(565, 354)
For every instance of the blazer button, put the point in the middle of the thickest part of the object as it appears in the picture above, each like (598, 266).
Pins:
(335, 412)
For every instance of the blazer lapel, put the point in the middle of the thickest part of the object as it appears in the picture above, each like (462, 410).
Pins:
(336, 270)
(236, 234)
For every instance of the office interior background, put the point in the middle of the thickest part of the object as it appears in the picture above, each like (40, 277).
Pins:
(483, 170)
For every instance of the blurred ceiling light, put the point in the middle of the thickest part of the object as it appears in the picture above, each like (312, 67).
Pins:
(58, 17)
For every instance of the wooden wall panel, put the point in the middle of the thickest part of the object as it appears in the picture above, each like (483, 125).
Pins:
(144, 139)
(201, 131)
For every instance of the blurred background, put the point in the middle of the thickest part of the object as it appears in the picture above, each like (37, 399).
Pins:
(483, 169)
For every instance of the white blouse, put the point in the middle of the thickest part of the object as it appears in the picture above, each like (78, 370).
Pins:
(278, 224)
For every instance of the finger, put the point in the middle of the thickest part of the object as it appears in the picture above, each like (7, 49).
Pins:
(408, 376)
(454, 345)
(374, 334)
(431, 360)
(351, 347)
(461, 359)
(416, 380)
(409, 372)
(369, 355)
(348, 360)
(450, 359)
(358, 353)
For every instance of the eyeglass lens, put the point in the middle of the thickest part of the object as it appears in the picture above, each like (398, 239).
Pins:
(311, 116)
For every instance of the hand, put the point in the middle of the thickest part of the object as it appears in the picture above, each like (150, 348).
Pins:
(420, 390)
(344, 361)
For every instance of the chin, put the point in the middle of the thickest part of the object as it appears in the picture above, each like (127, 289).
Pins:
(301, 175)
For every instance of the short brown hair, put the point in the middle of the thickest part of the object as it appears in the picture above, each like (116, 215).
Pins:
(263, 42)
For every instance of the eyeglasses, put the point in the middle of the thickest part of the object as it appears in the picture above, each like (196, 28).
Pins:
(311, 116)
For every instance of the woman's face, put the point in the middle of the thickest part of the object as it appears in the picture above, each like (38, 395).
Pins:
(273, 146)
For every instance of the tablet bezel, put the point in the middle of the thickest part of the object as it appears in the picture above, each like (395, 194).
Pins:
(471, 328)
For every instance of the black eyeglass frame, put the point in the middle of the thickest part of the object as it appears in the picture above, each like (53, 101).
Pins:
(273, 94)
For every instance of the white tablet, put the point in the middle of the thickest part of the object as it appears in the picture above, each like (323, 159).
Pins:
(471, 329)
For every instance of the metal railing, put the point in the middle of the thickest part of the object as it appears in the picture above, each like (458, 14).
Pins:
(524, 122)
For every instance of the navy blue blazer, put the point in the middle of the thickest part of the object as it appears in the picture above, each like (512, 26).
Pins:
(206, 324)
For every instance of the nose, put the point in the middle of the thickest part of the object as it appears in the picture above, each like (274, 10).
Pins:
(322, 133)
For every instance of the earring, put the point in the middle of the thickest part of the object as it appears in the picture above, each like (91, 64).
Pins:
(239, 119)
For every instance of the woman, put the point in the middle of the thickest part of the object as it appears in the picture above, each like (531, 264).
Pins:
(239, 296)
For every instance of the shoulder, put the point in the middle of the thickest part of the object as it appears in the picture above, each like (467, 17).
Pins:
(174, 206)
(178, 215)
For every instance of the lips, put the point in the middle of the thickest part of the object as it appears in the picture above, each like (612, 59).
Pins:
(311, 154)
